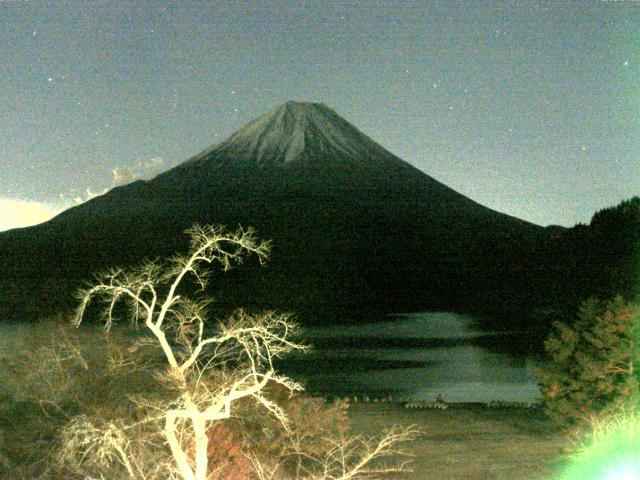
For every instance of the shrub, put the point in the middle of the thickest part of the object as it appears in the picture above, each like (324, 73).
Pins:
(60, 372)
(595, 363)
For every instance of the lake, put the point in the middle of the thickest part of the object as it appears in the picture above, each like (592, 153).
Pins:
(414, 356)
(418, 356)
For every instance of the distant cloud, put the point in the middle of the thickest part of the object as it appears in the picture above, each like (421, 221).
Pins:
(24, 213)
(122, 176)
(152, 167)
(77, 198)
(88, 196)
(142, 171)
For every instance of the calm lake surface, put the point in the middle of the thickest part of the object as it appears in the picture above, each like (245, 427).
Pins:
(414, 356)
(418, 356)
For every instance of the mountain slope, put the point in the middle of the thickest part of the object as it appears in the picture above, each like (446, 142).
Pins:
(353, 225)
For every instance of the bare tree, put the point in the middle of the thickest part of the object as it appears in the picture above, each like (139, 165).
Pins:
(347, 458)
(209, 373)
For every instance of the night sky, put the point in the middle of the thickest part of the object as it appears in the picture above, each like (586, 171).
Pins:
(530, 108)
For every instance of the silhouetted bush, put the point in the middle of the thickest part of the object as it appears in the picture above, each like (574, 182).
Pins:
(595, 363)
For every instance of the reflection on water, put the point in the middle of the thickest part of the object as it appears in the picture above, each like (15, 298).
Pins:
(417, 356)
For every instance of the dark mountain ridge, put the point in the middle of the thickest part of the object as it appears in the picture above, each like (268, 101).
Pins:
(354, 227)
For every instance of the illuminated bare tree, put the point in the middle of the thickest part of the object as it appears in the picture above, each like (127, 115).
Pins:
(248, 342)
(210, 373)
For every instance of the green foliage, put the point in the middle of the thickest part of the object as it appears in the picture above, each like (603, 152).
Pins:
(595, 362)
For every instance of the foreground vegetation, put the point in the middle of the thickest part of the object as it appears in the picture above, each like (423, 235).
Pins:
(165, 397)
(173, 400)
(458, 443)
(595, 368)
(591, 389)
(473, 442)
(63, 377)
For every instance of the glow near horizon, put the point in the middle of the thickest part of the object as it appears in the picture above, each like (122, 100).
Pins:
(613, 461)
(25, 213)
(18, 213)
(624, 472)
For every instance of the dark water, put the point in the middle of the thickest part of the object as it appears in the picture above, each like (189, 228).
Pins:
(409, 356)
(418, 356)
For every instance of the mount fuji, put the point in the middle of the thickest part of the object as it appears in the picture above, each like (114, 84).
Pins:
(353, 226)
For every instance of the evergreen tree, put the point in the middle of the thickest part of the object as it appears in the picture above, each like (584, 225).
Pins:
(595, 362)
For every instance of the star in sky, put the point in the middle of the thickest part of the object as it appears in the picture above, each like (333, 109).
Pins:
(467, 92)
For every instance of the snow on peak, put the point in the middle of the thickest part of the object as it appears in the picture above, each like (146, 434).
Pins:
(298, 130)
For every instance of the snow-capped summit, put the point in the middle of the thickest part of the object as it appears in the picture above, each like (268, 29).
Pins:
(297, 132)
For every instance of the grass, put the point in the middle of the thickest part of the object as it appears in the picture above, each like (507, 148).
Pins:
(472, 442)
